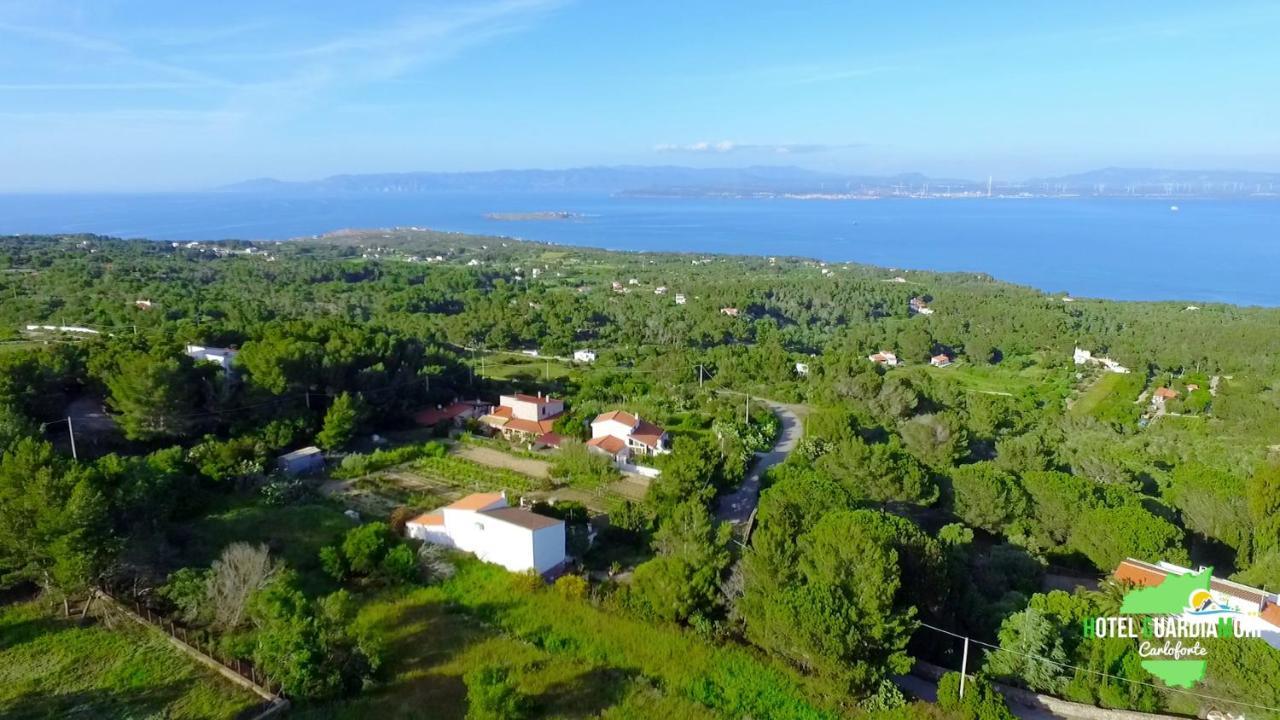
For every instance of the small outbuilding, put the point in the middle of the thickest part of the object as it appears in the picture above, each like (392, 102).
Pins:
(301, 462)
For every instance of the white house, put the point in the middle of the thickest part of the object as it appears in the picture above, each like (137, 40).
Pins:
(223, 357)
(301, 462)
(1251, 609)
(584, 356)
(660, 290)
(680, 299)
(918, 306)
(529, 417)
(884, 357)
(940, 360)
(802, 369)
(483, 524)
(1081, 356)
(622, 435)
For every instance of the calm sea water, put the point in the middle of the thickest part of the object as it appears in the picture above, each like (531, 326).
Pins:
(1208, 250)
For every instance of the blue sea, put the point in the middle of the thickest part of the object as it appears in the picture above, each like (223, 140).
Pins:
(1206, 250)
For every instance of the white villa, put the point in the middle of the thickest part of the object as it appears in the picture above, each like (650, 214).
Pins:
(1254, 609)
(622, 436)
(530, 417)
(1081, 357)
(884, 357)
(483, 524)
(584, 356)
(223, 357)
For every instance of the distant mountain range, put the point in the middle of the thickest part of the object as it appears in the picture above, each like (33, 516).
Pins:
(779, 181)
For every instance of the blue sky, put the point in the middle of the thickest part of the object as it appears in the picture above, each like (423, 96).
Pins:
(114, 95)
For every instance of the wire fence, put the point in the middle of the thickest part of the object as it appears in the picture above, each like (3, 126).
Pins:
(1099, 673)
(198, 643)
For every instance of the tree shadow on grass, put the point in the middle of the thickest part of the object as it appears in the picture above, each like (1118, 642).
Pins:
(587, 694)
(94, 704)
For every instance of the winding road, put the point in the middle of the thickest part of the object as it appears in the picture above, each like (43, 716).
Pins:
(736, 507)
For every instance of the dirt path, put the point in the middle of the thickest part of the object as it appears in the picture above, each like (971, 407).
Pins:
(497, 458)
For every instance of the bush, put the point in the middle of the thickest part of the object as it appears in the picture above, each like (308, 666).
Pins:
(572, 587)
(492, 696)
(433, 560)
(578, 466)
(981, 700)
(357, 464)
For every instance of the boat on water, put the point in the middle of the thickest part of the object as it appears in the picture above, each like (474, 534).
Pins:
(1173, 208)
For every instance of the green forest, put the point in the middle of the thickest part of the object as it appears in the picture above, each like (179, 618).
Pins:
(986, 484)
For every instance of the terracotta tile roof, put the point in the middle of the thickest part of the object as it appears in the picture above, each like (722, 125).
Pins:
(477, 501)
(1139, 573)
(435, 517)
(521, 518)
(433, 416)
(503, 411)
(1166, 393)
(609, 443)
(1271, 613)
(535, 399)
(621, 416)
(530, 427)
(647, 433)
(550, 439)
(1238, 591)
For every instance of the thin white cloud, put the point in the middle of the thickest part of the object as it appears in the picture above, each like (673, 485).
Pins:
(729, 146)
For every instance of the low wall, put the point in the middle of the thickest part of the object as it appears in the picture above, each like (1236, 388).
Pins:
(639, 470)
(1047, 703)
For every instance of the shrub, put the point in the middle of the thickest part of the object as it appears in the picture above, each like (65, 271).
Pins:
(572, 587)
(981, 700)
(492, 696)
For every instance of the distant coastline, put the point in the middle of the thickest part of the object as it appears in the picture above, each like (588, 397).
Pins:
(541, 215)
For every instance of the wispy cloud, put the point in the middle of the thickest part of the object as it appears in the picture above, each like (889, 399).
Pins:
(729, 146)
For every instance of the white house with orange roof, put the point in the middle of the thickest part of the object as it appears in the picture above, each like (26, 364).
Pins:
(527, 417)
(1257, 611)
(485, 526)
(884, 357)
(622, 436)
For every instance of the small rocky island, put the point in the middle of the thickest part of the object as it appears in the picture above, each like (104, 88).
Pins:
(539, 215)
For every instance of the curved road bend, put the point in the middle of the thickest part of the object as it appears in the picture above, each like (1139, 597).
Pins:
(736, 507)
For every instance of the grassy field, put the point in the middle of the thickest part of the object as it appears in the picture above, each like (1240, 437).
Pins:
(568, 658)
(508, 366)
(294, 533)
(1110, 390)
(54, 668)
(432, 644)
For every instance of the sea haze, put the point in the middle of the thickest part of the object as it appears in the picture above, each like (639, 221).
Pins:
(1223, 250)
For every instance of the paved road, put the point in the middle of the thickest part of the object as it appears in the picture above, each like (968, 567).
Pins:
(737, 506)
(927, 690)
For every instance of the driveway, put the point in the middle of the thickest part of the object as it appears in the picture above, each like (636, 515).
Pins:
(736, 507)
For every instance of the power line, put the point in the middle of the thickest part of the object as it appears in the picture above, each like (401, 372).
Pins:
(1099, 673)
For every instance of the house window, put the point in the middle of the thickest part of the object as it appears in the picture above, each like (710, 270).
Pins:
(480, 526)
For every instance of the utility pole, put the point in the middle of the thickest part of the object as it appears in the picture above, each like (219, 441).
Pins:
(308, 396)
(964, 666)
(699, 376)
(72, 432)
(748, 409)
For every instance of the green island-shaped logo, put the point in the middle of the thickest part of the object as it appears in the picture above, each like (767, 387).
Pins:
(1170, 597)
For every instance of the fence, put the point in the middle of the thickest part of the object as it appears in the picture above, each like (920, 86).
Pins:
(241, 672)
